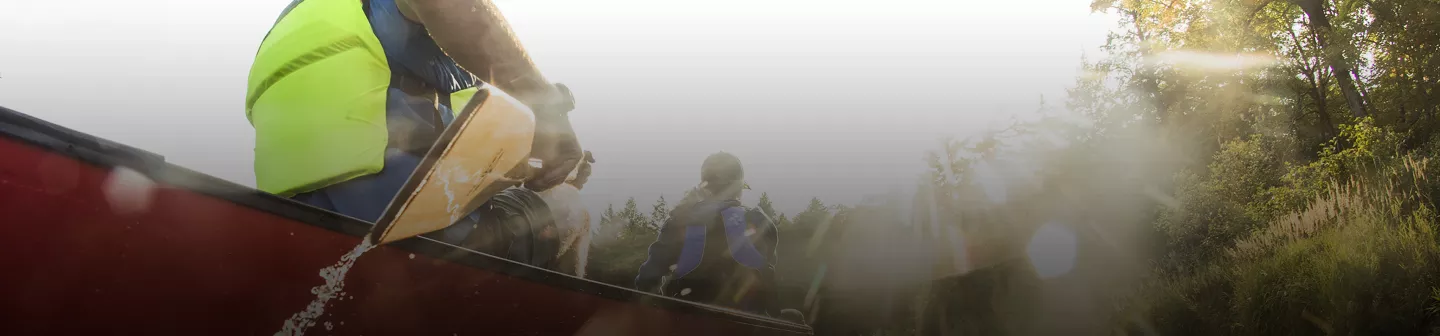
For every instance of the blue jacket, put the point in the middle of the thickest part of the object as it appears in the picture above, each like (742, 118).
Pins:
(683, 240)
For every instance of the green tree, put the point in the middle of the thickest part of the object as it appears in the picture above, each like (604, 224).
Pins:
(608, 216)
(813, 215)
(660, 212)
(634, 220)
(767, 207)
(621, 245)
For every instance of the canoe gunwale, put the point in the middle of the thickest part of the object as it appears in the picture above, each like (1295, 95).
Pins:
(107, 154)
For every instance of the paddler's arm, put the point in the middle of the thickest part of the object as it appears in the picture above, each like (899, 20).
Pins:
(769, 235)
(768, 245)
(661, 254)
(477, 37)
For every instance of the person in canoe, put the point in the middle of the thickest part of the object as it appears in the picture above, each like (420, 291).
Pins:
(714, 250)
(347, 96)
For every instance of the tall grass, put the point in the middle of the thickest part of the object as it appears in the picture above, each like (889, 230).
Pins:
(1362, 258)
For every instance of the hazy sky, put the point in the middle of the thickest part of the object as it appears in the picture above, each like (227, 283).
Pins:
(828, 98)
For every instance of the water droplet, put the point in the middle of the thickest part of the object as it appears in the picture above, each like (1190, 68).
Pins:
(412, 256)
(334, 281)
(128, 191)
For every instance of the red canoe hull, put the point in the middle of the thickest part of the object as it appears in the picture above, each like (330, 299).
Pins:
(205, 257)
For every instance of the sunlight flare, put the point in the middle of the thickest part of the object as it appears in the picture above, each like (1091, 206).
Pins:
(1052, 250)
(1208, 61)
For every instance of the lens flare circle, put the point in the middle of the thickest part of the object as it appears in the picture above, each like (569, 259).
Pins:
(1052, 250)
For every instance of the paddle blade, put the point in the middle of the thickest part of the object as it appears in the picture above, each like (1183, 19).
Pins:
(479, 154)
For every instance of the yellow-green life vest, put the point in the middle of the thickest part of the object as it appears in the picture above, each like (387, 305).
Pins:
(317, 97)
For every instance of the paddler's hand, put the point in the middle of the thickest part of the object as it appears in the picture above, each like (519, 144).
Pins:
(555, 143)
(582, 175)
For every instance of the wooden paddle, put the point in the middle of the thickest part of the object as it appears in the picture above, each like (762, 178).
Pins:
(485, 150)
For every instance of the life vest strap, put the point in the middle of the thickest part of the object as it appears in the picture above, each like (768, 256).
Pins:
(742, 249)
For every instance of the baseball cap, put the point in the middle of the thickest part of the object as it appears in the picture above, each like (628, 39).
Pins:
(723, 169)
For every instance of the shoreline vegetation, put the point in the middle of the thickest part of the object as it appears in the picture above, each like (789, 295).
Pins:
(1228, 167)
